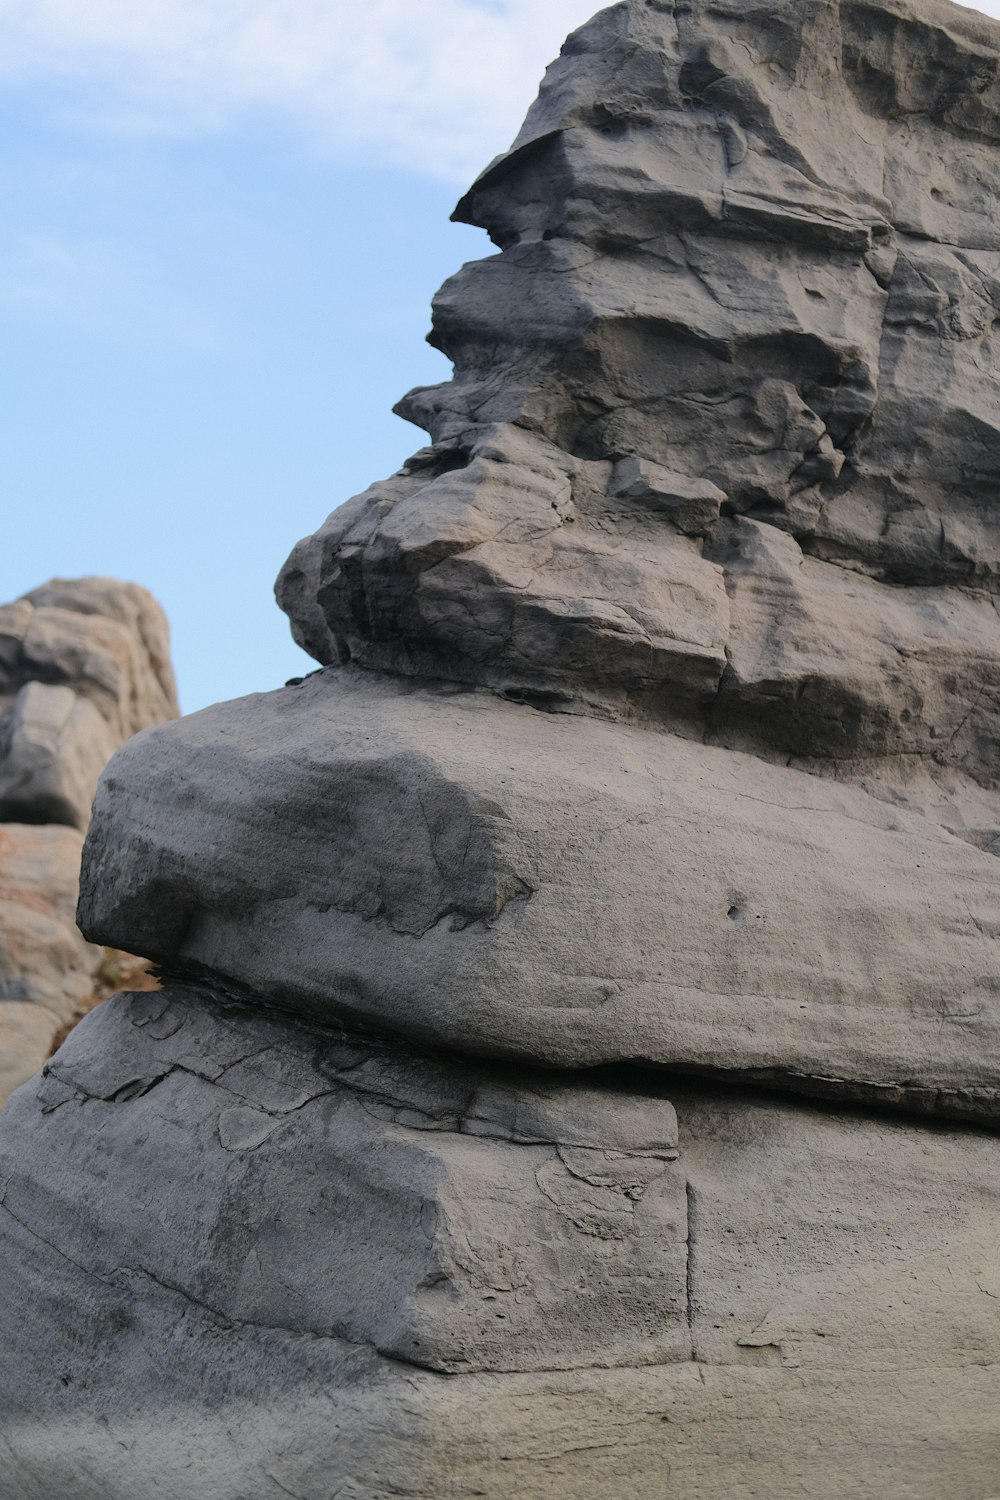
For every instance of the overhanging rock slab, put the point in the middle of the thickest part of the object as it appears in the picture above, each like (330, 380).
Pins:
(568, 892)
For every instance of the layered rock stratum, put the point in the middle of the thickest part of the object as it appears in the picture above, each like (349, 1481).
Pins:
(578, 1072)
(84, 665)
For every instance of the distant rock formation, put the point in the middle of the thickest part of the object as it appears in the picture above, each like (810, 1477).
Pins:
(84, 665)
(654, 760)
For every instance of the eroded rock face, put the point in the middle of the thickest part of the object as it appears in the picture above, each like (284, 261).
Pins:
(475, 874)
(721, 447)
(47, 968)
(433, 1171)
(84, 664)
(328, 1265)
(456, 1188)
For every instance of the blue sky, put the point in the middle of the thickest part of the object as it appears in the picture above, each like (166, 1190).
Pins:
(225, 220)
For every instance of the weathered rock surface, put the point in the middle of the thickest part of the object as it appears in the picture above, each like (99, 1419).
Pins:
(722, 443)
(46, 966)
(433, 1172)
(409, 1275)
(476, 874)
(84, 664)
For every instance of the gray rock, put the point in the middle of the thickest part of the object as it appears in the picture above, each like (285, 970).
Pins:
(458, 1190)
(753, 247)
(330, 1266)
(692, 505)
(433, 1173)
(510, 883)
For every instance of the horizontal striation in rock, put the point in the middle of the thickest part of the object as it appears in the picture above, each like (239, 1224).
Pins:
(511, 883)
(753, 247)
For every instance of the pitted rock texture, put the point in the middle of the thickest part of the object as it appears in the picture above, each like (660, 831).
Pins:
(411, 1275)
(488, 878)
(722, 442)
(84, 664)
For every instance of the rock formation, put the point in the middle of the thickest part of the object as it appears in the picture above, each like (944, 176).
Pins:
(84, 665)
(579, 1069)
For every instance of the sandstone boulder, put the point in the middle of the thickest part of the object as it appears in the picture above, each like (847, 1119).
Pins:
(46, 967)
(84, 664)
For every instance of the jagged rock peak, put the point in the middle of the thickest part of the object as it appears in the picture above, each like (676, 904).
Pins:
(722, 443)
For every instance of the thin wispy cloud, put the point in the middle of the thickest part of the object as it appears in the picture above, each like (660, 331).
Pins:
(437, 86)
